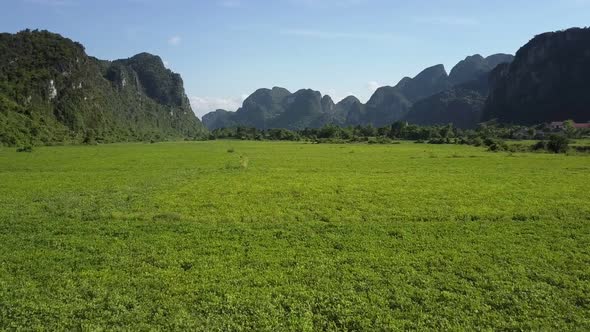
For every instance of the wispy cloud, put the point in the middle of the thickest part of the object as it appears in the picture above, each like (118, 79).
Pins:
(580, 3)
(334, 35)
(204, 105)
(446, 20)
(175, 40)
(230, 3)
(329, 3)
(53, 3)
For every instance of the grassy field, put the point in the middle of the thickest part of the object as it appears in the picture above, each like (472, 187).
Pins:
(293, 236)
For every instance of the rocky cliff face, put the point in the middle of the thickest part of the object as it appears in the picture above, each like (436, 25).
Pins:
(461, 105)
(261, 108)
(387, 105)
(52, 92)
(475, 66)
(428, 82)
(219, 119)
(548, 81)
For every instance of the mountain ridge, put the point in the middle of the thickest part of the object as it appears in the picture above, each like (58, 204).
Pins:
(386, 105)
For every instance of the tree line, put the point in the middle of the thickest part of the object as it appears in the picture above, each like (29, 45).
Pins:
(491, 134)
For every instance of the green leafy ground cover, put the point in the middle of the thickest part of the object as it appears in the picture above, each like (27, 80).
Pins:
(231, 235)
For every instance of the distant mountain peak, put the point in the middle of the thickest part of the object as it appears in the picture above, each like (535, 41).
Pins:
(308, 108)
(475, 66)
(349, 99)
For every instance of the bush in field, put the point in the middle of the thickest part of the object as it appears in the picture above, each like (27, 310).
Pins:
(437, 141)
(90, 137)
(495, 145)
(27, 148)
(540, 145)
(558, 144)
(555, 144)
(477, 141)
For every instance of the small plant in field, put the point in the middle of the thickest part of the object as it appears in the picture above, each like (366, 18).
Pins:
(231, 150)
(244, 161)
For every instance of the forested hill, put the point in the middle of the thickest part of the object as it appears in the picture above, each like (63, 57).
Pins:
(51, 92)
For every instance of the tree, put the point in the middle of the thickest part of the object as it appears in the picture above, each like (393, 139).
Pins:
(569, 129)
(558, 144)
(90, 137)
(397, 129)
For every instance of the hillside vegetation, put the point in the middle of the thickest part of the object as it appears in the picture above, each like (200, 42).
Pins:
(52, 92)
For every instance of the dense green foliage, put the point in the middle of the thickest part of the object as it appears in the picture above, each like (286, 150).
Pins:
(303, 237)
(490, 135)
(51, 92)
(548, 81)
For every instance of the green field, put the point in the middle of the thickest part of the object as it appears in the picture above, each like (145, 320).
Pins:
(293, 236)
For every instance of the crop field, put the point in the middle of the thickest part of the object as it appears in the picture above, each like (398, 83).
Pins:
(232, 235)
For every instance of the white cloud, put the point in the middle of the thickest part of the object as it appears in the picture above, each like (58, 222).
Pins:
(55, 3)
(204, 105)
(328, 3)
(372, 86)
(175, 40)
(446, 20)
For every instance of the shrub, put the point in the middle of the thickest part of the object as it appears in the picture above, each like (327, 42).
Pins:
(558, 144)
(231, 150)
(437, 141)
(495, 145)
(518, 148)
(541, 145)
(26, 148)
(90, 137)
(477, 141)
(384, 140)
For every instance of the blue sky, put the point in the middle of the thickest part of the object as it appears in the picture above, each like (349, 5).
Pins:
(226, 49)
